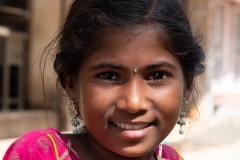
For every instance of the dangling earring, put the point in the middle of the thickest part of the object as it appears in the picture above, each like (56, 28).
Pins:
(184, 112)
(75, 121)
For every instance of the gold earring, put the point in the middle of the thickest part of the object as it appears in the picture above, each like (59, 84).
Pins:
(184, 113)
(75, 120)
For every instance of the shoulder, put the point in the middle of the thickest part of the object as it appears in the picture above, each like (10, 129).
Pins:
(32, 145)
(34, 137)
(168, 152)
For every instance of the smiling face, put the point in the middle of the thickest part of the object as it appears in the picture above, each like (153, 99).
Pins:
(125, 111)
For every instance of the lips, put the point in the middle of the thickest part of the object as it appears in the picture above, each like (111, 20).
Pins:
(136, 126)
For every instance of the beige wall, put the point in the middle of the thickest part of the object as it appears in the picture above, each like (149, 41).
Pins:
(45, 20)
(217, 21)
(47, 17)
(14, 124)
(198, 12)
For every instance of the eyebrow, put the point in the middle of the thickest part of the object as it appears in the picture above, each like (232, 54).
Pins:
(107, 65)
(121, 67)
(161, 64)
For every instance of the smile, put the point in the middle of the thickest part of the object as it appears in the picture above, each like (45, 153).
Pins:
(131, 126)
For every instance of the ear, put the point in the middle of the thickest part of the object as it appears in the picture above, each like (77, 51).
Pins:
(71, 87)
(188, 91)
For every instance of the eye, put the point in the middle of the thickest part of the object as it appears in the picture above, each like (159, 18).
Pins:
(157, 76)
(109, 76)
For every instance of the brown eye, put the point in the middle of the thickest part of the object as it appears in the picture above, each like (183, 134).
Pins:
(109, 76)
(157, 76)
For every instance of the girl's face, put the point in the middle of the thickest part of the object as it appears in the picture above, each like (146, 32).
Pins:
(125, 112)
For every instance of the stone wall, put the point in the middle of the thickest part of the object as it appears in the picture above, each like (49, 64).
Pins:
(14, 124)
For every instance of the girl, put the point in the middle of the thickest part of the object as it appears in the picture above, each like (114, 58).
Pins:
(128, 68)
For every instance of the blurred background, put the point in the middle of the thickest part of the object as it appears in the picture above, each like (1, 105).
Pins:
(213, 125)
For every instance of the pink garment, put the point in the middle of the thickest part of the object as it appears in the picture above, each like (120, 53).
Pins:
(50, 144)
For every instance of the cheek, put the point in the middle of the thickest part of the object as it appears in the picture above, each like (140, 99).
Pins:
(172, 112)
(170, 103)
(93, 105)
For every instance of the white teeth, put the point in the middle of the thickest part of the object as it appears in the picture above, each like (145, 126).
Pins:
(128, 126)
(137, 126)
(131, 126)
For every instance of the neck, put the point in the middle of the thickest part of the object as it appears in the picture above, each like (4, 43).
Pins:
(99, 152)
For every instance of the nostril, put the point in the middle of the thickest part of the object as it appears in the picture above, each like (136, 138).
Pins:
(132, 100)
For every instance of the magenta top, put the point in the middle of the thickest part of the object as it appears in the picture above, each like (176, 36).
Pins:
(50, 144)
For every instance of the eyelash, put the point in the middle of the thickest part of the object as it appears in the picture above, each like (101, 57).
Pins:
(157, 76)
(154, 76)
(158, 81)
(109, 76)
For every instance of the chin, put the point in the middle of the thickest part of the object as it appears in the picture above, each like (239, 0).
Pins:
(136, 151)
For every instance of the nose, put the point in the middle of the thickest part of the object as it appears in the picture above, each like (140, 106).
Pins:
(134, 97)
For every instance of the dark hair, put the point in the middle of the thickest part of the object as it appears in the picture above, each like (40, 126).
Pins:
(87, 19)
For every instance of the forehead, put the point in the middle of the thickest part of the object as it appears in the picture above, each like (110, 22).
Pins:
(132, 47)
(132, 33)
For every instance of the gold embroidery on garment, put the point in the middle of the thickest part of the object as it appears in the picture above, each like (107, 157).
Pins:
(30, 149)
(19, 142)
(68, 146)
(159, 156)
(15, 156)
(71, 149)
(64, 155)
(42, 142)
